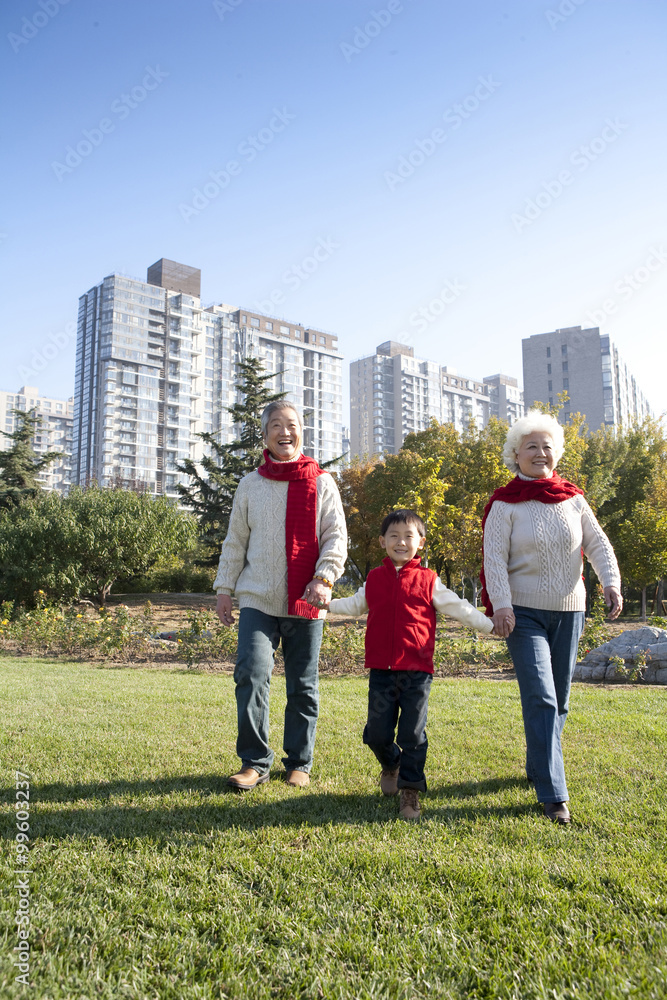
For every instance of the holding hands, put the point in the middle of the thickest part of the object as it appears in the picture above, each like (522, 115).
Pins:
(503, 622)
(317, 593)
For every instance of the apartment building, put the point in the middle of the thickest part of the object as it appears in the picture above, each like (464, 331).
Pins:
(393, 394)
(54, 432)
(585, 364)
(154, 368)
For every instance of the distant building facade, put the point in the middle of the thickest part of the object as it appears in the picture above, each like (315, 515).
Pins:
(585, 364)
(393, 394)
(154, 368)
(54, 432)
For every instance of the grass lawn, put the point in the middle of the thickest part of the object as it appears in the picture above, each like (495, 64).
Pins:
(150, 880)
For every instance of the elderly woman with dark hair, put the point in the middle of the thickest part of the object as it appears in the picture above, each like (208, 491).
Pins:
(535, 531)
(285, 547)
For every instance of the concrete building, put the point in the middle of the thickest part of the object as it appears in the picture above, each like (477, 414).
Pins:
(54, 432)
(154, 368)
(585, 364)
(505, 398)
(393, 394)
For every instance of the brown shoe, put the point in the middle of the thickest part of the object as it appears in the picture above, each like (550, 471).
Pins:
(389, 781)
(298, 779)
(408, 806)
(557, 812)
(246, 779)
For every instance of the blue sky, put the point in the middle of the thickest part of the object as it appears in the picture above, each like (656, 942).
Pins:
(472, 173)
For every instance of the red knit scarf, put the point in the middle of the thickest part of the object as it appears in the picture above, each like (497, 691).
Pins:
(302, 545)
(551, 490)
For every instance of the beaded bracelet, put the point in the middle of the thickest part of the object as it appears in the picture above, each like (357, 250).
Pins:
(324, 580)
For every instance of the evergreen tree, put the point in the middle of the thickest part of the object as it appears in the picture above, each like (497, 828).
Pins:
(213, 481)
(20, 465)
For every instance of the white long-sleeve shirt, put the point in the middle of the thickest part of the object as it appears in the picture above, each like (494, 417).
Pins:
(445, 601)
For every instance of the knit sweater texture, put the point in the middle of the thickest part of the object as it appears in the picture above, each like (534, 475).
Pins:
(253, 561)
(532, 554)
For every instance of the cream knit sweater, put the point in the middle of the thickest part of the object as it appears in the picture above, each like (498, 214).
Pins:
(532, 554)
(253, 561)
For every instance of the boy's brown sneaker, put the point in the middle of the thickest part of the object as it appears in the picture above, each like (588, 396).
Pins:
(408, 806)
(389, 781)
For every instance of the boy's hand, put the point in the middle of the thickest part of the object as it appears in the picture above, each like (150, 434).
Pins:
(317, 594)
(503, 622)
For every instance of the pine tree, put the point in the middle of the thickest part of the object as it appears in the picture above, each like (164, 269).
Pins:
(20, 465)
(213, 481)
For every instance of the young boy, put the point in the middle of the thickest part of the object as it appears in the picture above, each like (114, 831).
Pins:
(401, 597)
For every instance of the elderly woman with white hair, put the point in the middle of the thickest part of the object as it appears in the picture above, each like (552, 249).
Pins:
(535, 531)
(285, 547)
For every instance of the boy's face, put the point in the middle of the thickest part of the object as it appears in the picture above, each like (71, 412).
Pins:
(402, 542)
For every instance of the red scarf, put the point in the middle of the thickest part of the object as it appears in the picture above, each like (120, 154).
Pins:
(550, 490)
(302, 545)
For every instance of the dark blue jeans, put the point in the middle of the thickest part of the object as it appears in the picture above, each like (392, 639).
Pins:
(543, 647)
(259, 637)
(388, 692)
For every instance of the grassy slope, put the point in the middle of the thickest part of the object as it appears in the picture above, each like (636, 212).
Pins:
(152, 881)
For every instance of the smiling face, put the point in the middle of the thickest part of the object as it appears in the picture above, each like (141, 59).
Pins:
(402, 542)
(535, 456)
(283, 435)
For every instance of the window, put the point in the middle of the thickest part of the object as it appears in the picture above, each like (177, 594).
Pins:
(566, 383)
(564, 366)
(268, 325)
(548, 352)
(323, 340)
(548, 369)
(563, 349)
(254, 322)
(285, 330)
(550, 385)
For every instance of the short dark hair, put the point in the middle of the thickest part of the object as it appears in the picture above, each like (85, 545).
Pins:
(403, 516)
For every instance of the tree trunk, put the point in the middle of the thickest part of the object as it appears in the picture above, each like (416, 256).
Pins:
(473, 580)
(644, 604)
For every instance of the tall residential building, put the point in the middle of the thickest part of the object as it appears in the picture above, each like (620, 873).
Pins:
(585, 364)
(154, 368)
(393, 394)
(54, 432)
(505, 398)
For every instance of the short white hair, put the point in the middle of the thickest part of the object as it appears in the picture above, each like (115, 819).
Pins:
(279, 404)
(533, 421)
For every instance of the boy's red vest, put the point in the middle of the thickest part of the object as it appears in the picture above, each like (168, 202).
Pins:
(400, 631)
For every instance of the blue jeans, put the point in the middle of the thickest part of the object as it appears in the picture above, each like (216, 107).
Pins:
(543, 647)
(389, 691)
(259, 637)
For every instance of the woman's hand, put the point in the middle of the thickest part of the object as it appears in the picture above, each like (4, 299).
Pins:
(614, 601)
(224, 609)
(317, 594)
(503, 622)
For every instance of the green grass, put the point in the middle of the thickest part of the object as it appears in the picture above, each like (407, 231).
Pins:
(152, 881)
